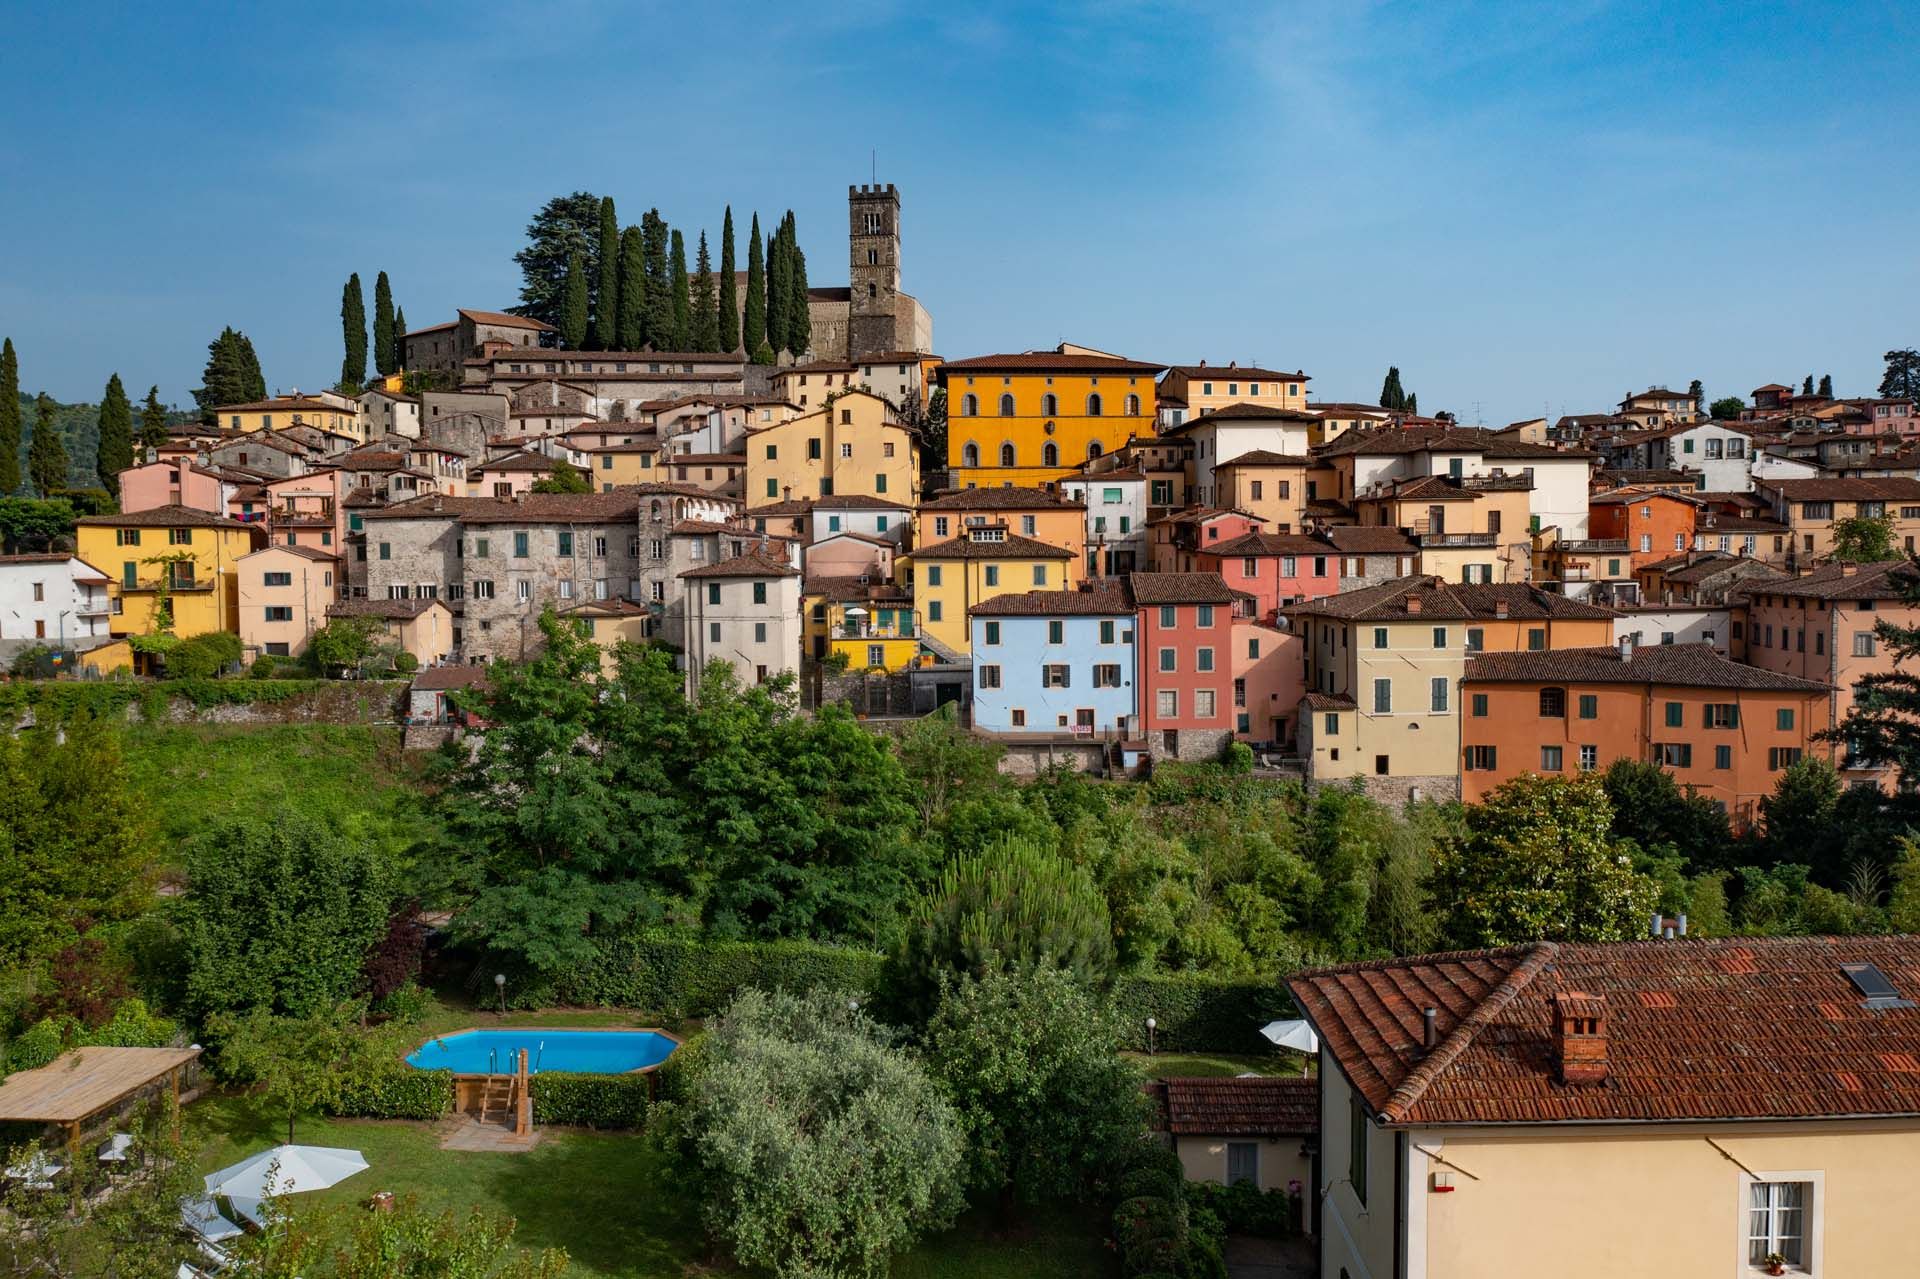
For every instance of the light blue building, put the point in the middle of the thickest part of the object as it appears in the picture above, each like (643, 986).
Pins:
(1054, 662)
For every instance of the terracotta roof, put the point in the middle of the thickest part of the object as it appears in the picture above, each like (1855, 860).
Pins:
(1347, 408)
(677, 489)
(1448, 601)
(792, 506)
(856, 502)
(997, 499)
(1702, 570)
(1267, 544)
(1041, 361)
(1643, 476)
(708, 526)
(1105, 602)
(517, 462)
(432, 328)
(502, 319)
(1283, 1106)
(284, 402)
(440, 678)
(1244, 413)
(1444, 439)
(392, 610)
(1686, 665)
(703, 459)
(1885, 580)
(1631, 497)
(1013, 547)
(1854, 490)
(41, 557)
(1203, 369)
(165, 517)
(854, 588)
(607, 608)
(1264, 457)
(1327, 702)
(528, 508)
(1179, 588)
(1742, 1028)
(1368, 539)
(754, 563)
(304, 552)
(1427, 488)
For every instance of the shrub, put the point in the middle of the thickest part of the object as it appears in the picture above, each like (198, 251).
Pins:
(1194, 1013)
(203, 656)
(263, 666)
(591, 1101)
(405, 663)
(398, 1093)
(1237, 759)
(1244, 1209)
(678, 976)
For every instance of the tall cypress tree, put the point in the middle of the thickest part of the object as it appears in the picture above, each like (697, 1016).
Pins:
(226, 379)
(754, 322)
(9, 419)
(606, 301)
(706, 323)
(779, 284)
(727, 335)
(659, 308)
(1391, 396)
(399, 339)
(633, 290)
(799, 318)
(680, 335)
(153, 420)
(384, 359)
(353, 326)
(47, 456)
(1413, 405)
(253, 383)
(573, 306)
(1826, 385)
(115, 449)
(1806, 387)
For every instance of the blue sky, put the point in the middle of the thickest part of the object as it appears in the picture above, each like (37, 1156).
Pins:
(1527, 208)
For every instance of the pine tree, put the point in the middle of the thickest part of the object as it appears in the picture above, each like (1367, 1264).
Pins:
(573, 306)
(799, 319)
(779, 285)
(659, 308)
(706, 322)
(353, 326)
(47, 456)
(727, 335)
(9, 419)
(253, 383)
(114, 452)
(1391, 396)
(680, 336)
(1902, 380)
(1826, 385)
(153, 420)
(399, 339)
(565, 224)
(385, 359)
(633, 290)
(606, 300)
(754, 322)
(226, 379)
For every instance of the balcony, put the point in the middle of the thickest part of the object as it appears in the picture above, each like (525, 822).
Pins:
(1435, 541)
(148, 585)
(1592, 546)
(1497, 483)
(861, 628)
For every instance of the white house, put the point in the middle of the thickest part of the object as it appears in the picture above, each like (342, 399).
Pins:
(56, 599)
(1720, 452)
(1226, 433)
(858, 513)
(1654, 624)
(1116, 503)
(744, 611)
(1560, 477)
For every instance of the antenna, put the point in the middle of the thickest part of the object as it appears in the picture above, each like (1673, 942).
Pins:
(873, 165)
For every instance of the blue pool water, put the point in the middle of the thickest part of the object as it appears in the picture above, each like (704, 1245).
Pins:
(593, 1052)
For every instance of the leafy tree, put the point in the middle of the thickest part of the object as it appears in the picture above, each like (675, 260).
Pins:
(606, 298)
(1538, 861)
(1883, 728)
(705, 335)
(654, 235)
(1728, 409)
(945, 761)
(353, 325)
(566, 478)
(819, 1147)
(47, 456)
(406, 1243)
(754, 322)
(679, 297)
(1797, 818)
(1826, 385)
(10, 419)
(564, 226)
(573, 306)
(28, 524)
(304, 1064)
(280, 916)
(728, 332)
(1697, 392)
(343, 644)
(1903, 904)
(115, 451)
(633, 290)
(1865, 539)
(386, 352)
(1652, 811)
(1044, 1098)
(1902, 378)
(1392, 396)
(203, 656)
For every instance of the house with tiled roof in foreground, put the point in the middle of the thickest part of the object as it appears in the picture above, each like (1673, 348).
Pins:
(1670, 1108)
(1260, 1131)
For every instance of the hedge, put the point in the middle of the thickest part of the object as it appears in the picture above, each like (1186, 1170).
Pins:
(1245, 1209)
(677, 976)
(591, 1101)
(63, 699)
(1199, 1014)
(399, 1093)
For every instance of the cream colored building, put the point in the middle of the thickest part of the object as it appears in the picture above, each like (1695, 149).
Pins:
(1189, 391)
(744, 611)
(1682, 1108)
(422, 627)
(1257, 1130)
(284, 592)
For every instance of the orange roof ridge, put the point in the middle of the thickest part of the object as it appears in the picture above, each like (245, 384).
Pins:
(1539, 955)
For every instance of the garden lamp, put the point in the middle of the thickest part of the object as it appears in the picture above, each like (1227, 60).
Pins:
(1151, 1024)
(500, 985)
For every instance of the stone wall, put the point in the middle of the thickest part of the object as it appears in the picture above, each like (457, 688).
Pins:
(1190, 745)
(1397, 791)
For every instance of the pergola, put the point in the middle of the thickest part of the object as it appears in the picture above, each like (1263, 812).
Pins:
(76, 1086)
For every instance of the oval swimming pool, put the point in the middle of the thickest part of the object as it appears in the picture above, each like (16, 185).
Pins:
(593, 1052)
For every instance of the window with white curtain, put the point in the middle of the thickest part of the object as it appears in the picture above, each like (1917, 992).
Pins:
(1777, 1215)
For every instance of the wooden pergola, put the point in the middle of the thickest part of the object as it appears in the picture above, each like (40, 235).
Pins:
(76, 1086)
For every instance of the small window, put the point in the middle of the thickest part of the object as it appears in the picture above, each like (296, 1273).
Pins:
(1440, 688)
(1480, 705)
(1553, 703)
(1482, 758)
(1777, 1222)
(1383, 697)
(1550, 759)
(989, 677)
(1676, 714)
(1589, 706)
(1783, 719)
(1379, 637)
(1476, 639)
(1056, 631)
(1589, 758)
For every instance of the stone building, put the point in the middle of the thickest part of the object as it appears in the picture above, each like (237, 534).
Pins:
(744, 611)
(681, 527)
(444, 348)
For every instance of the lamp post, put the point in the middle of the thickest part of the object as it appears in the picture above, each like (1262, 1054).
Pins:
(1151, 1025)
(500, 986)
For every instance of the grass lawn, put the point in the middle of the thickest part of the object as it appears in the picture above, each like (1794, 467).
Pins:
(609, 1199)
(1190, 1065)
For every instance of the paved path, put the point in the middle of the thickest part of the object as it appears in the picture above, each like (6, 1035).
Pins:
(465, 1132)
(1250, 1258)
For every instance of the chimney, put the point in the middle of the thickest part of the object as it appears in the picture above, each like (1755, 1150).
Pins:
(1626, 648)
(1429, 1029)
(1580, 1037)
(1413, 606)
(1500, 609)
(1849, 570)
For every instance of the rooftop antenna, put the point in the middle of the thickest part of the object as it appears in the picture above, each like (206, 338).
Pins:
(873, 164)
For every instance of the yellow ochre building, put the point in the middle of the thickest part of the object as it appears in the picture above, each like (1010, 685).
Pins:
(187, 557)
(1034, 417)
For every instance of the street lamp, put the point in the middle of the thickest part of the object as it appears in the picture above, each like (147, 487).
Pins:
(500, 985)
(853, 1005)
(1151, 1024)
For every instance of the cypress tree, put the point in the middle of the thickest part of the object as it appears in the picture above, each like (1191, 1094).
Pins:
(1413, 405)
(706, 322)
(384, 358)
(779, 284)
(353, 326)
(1698, 394)
(727, 335)
(633, 290)
(115, 449)
(399, 339)
(754, 322)
(1806, 387)
(253, 383)
(606, 301)
(1826, 385)
(47, 456)
(1391, 396)
(658, 321)
(573, 306)
(226, 379)
(9, 419)
(799, 319)
(680, 335)
(153, 420)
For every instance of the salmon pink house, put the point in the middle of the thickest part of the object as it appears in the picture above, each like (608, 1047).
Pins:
(1185, 659)
(1276, 569)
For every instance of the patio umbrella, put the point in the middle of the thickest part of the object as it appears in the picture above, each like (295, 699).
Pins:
(36, 1171)
(285, 1170)
(114, 1149)
(1296, 1035)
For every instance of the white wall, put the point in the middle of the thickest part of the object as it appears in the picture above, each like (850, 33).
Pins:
(1687, 625)
(84, 605)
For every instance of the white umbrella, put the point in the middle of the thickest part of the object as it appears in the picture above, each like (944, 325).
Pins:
(37, 1171)
(1296, 1035)
(249, 1210)
(114, 1149)
(204, 1219)
(285, 1170)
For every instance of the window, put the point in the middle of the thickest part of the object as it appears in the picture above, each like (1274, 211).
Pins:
(520, 550)
(1007, 455)
(1550, 757)
(1382, 696)
(1779, 757)
(1777, 1221)
(1482, 758)
(713, 632)
(1476, 639)
(1039, 574)
(179, 537)
(989, 677)
(991, 631)
(1243, 1163)
(1106, 632)
(386, 550)
(1166, 703)
(1589, 706)
(1106, 675)
(1168, 616)
(1093, 405)
(1589, 758)
(1332, 726)
(713, 592)
(1205, 617)
(1056, 631)
(993, 575)
(1203, 659)
(1056, 675)
(1676, 714)
(1553, 703)
(1675, 754)
(1723, 757)
(935, 610)
(1783, 719)
(272, 579)
(523, 591)
(1863, 644)
(1168, 661)
(1379, 637)
(279, 613)
(1720, 715)
(1536, 639)
(1480, 705)
(1440, 687)
(1203, 703)
(566, 542)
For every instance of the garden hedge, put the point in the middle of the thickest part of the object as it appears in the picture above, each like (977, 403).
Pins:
(1199, 1014)
(591, 1101)
(399, 1093)
(62, 700)
(687, 977)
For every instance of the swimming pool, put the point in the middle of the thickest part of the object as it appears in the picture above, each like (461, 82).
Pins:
(593, 1052)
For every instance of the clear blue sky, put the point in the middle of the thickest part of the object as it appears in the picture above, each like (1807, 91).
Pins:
(1527, 208)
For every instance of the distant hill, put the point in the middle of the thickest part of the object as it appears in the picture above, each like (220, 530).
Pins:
(79, 426)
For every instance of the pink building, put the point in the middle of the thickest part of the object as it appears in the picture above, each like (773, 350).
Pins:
(1175, 540)
(1183, 652)
(1276, 569)
(307, 510)
(171, 481)
(1269, 678)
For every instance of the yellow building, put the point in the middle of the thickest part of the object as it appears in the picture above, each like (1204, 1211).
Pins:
(871, 623)
(610, 623)
(1031, 418)
(1337, 419)
(851, 446)
(1039, 514)
(621, 464)
(979, 564)
(290, 410)
(1270, 485)
(1473, 529)
(1199, 389)
(175, 554)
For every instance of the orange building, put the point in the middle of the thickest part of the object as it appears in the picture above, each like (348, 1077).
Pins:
(1724, 730)
(1655, 524)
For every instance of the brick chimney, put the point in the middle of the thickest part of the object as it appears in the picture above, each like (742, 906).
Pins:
(1500, 609)
(1413, 606)
(1849, 570)
(1580, 1037)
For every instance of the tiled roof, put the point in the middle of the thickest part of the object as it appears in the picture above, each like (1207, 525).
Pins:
(165, 517)
(1105, 602)
(1742, 1028)
(1702, 570)
(1268, 544)
(1643, 476)
(1445, 439)
(998, 499)
(753, 563)
(1282, 1106)
(1449, 601)
(1245, 413)
(392, 610)
(440, 678)
(704, 459)
(517, 462)
(1043, 361)
(1688, 665)
(1368, 539)
(855, 588)
(527, 508)
(1427, 488)
(1855, 490)
(284, 402)
(1629, 497)
(1327, 702)
(503, 320)
(607, 608)
(1264, 457)
(1238, 371)
(1014, 547)
(304, 552)
(1179, 588)
(1885, 580)
(855, 502)
(676, 489)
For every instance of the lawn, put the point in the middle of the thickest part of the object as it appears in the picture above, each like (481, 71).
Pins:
(609, 1199)
(1191, 1065)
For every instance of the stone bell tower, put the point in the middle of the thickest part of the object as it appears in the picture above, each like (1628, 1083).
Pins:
(873, 240)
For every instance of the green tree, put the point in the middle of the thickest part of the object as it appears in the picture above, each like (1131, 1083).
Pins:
(47, 455)
(1650, 810)
(1031, 1062)
(386, 354)
(606, 298)
(1865, 539)
(679, 297)
(1413, 405)
(1697, 392)
(1391, 395)
(564, 226)
(1728, 409)
(654, 235)
(944, 761)
(573, 306)
(399, 339)
(729, 312)
(779, 289)
(1826, 385)
(153, 420)
(820, 1148)
(30, 525)
(353, 325)
(1903, 904)
(407, 1243)
(343, 644)
(1538, 860)
(303, 1064)
(11, 424)
(1806, 387)
(1797, 818)
(1902, 378)
(633, 290)
(279, 915)
(1883, 727)
(253, 383)
(754, 322)
(566, 478)
(799, 319)
(114, 453)
(227, 378)
(705, 335)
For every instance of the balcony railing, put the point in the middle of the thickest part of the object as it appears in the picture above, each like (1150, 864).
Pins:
(1593, 546)
(1435, 540)
(145, 585)
(869, 630)
(1497, 483)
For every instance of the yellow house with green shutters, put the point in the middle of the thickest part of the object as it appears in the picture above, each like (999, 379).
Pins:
(985, 561)
(172, 556)
(283, 411)
(1034, 417)
(851, 446)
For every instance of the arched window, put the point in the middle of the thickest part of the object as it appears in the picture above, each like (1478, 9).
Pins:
(1094, 450)
(679, 509)
(1006, 406)
(1006, 455)
(1133, 406)
(1093, 405)
(1050, 455)
(970, 406)
(655, 511)
(970, 455)
(1050, 405)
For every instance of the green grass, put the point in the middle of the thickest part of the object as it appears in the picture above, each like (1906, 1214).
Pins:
(1191, 1065)
(609, 1199)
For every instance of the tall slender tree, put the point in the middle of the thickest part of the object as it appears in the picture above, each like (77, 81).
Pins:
(680, 333)
(633, 290)
(384, 359)
(727, 335)
(253, 383)
(10, 422)
(799, 318)
(114, 452)
(1698, 394)
(706, 324)
(1392, 396)
(1806, 387)
(1413, 404)
(153, 420)
(399, 339)
(1826, 385)
(573, 306)
(353, 327)
(606, 300)
(755, 319)
(659, 310)
(47, 456)
(779, 284)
